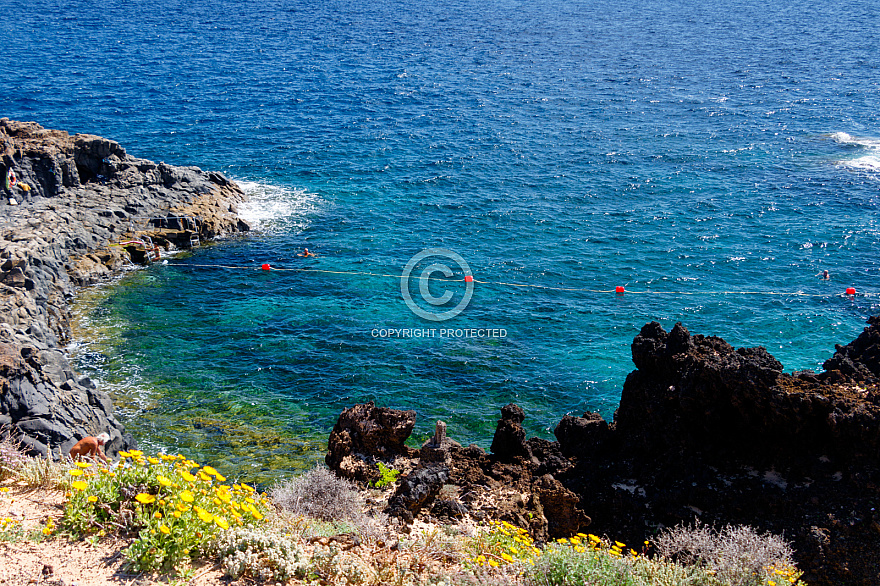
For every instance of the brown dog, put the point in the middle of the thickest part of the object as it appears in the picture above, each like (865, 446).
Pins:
(90, 446)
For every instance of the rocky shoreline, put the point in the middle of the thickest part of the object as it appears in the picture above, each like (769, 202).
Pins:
(75, 210)
(704, 431)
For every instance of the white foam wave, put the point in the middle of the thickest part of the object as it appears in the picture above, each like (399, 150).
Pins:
(273, 207)
(868, 163)
(864, 141)
(868, 152)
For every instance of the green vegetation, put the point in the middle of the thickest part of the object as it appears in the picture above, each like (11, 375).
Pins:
(314, 529)
(387, 476)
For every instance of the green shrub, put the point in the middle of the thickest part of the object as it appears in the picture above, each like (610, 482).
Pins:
(388, 476)
(174, 507)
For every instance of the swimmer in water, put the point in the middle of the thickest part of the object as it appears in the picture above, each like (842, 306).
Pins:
(825, 276)
(306, 253)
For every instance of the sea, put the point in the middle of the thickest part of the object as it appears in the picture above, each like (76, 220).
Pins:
(499, 194)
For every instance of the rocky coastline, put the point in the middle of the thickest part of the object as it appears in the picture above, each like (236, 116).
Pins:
(703, 432)
(75, 210)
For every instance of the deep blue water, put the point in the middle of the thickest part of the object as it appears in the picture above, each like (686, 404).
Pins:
(681, 149)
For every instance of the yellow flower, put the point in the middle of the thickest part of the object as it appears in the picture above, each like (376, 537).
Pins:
(79, 484)
(247, 488)
(204, 515)
(82, 464)
(506, 557)
(164, 529)
(75, 472)
(220, 477)
(562, 540)
(221, 522)
(152, 460)
(182, 507)
(187, 497)
(209, 470)
(163, 480)
(93, 499)
(187, 476)
(204, 476)
(250, 500)
(493, 563)
(176, 514)
(256, 515)
(145, 498)
(4, 489)
(620, 545)
(135, 452)
(124, 454)
(157, 515)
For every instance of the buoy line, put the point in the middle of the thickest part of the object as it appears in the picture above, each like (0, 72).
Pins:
(850, 291)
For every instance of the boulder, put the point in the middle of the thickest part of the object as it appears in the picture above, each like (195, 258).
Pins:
(509, 442)
(365, 434)
(417, 490)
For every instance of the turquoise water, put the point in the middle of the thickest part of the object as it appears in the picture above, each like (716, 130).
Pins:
(687, 152)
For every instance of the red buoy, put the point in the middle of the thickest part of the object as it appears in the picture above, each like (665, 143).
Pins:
(266, 267)
(850, 290)
(468, 279)
(619, 289)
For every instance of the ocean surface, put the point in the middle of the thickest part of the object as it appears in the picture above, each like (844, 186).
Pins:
(710, 158)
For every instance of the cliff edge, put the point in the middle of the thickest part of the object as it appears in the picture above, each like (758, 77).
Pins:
(74, 210)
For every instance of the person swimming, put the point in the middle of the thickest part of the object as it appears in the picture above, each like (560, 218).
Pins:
(306, 253)
(825, 276)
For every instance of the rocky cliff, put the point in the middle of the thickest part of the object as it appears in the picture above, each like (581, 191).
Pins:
(704, 431)
(69, 204)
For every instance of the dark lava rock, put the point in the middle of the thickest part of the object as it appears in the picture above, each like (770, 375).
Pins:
(860, 359)
(365, 434)
(77, 195)
(509, 442)
(582, 437)
(416, 491)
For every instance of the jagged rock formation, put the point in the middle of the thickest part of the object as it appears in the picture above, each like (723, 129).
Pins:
(703, 431)
(366, 434)
(72, 197)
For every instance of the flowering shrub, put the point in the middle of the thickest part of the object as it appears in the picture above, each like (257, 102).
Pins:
(503, 543)
(175, 505)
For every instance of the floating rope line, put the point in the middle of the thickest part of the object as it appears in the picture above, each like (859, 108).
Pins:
(266, 267)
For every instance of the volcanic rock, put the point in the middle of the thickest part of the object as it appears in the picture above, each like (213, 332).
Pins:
(77, 198)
